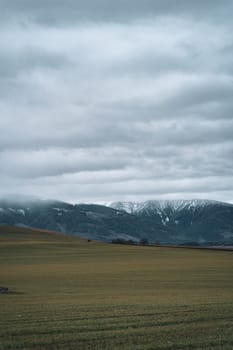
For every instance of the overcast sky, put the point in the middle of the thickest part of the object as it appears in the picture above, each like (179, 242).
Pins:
(104, 100)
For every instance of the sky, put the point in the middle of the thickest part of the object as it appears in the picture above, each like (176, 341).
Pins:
(104, 100)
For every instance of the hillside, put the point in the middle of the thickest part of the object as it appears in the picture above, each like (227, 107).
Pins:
(9, 234)
(199, 221)
(172, 222)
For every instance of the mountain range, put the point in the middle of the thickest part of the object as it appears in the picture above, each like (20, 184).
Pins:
(202, 222)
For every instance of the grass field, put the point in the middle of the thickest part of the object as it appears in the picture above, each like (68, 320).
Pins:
(67, 293)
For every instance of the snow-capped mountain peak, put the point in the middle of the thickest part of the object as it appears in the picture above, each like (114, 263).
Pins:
(161, 205)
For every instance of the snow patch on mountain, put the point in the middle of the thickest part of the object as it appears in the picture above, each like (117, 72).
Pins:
(21, 211)
(12, 210)
(60, 210)
(160, 205)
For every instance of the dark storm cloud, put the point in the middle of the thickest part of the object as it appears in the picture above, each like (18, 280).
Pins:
(104, 100)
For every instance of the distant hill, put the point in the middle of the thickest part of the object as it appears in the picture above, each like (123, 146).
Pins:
(174, 222)
(22, 234)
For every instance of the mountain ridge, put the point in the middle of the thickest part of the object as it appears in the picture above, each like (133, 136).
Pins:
(136, 206)
(167, 221)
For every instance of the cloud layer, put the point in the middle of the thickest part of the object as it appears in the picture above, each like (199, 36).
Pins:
(101, 103)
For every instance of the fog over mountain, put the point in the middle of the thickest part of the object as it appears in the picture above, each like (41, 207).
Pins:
(104, 101)
(201, 222)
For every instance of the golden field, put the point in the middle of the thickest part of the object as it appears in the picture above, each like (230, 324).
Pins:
(66, 293)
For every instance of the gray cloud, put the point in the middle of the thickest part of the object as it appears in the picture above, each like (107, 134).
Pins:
(116, 100)
(14, 63)
(60, 11)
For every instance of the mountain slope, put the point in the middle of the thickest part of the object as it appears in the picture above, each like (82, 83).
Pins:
(94, 221)
(176, 222)
(186, 220)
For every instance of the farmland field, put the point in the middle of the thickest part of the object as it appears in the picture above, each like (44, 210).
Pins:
(66, 293)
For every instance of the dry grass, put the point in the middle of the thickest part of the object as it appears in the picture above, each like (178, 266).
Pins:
(71, 294)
